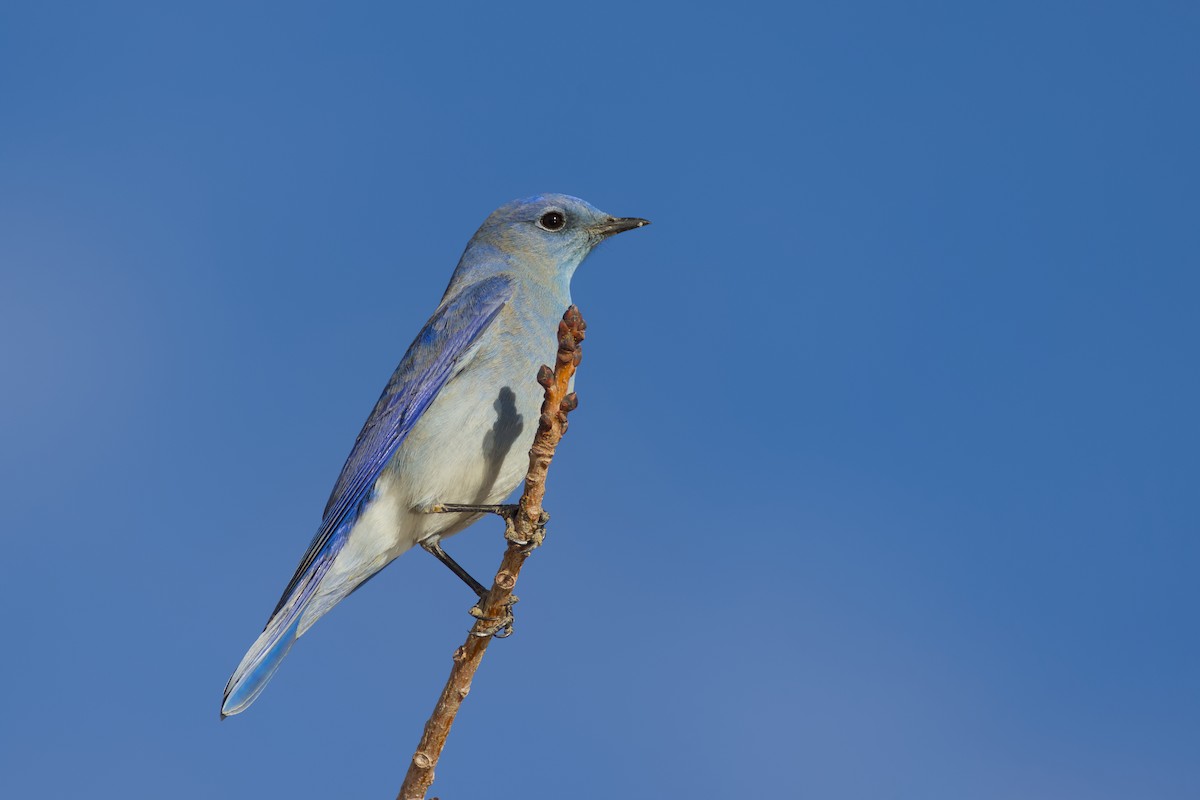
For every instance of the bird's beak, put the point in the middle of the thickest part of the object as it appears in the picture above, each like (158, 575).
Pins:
(615, 225)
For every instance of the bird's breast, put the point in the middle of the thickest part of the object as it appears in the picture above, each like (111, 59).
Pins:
(472, 443)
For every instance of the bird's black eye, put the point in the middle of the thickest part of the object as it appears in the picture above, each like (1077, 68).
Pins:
(552, 221)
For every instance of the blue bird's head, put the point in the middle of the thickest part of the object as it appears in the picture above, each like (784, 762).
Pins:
(544, 238)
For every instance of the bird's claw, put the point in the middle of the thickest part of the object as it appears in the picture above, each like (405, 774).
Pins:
(535, 539)
(500, 627)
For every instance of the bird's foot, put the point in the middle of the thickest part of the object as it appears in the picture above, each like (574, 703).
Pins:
(535, 538)
(500, 627)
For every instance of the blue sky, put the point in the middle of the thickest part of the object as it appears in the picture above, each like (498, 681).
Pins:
(883, 482)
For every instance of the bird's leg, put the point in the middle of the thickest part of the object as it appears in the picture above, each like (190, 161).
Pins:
(500, 627)
(504, 510)
(434, 547)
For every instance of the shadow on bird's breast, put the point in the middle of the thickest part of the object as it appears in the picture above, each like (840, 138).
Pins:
(500, 439)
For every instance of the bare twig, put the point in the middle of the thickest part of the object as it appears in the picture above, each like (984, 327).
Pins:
(524, 532)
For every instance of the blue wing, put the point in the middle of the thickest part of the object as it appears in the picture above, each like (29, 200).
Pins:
(424, 370)
(430, 362)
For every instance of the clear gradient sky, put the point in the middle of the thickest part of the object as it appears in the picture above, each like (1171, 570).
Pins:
(884, 478)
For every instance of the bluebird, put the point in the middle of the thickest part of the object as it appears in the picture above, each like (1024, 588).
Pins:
(453, 425)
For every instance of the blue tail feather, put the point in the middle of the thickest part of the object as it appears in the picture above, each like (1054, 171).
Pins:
(264, 656)
(246, 685)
